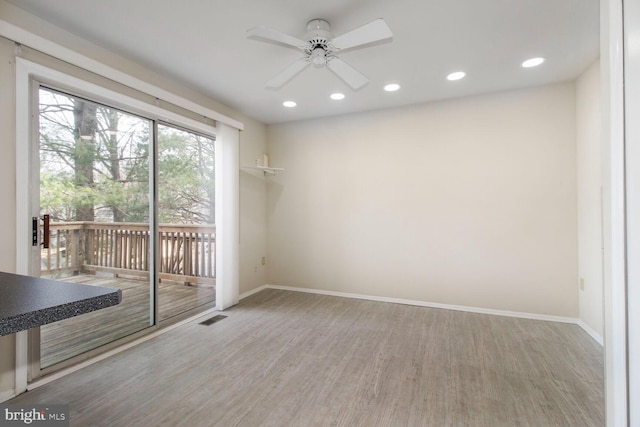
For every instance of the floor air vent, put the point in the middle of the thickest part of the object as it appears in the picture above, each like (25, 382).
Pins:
(213, 320)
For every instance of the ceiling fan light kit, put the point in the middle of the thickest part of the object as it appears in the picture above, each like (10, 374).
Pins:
(320, 47)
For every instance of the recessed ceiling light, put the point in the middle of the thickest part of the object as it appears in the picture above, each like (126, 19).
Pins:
(456, 76)
(289, 104)
(392, 87)
(532, 62)
(337, 96)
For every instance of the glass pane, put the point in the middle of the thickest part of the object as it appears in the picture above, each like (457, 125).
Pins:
(94, 184)
(186, 212)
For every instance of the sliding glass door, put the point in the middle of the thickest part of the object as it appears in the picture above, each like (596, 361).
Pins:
(186, 215)
(127, 202)
(94, 194)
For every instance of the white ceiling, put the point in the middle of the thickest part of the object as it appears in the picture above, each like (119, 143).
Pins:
(202, 44)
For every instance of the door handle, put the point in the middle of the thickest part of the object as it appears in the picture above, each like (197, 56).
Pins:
(34, 230)
(35, 222)
(45, 231)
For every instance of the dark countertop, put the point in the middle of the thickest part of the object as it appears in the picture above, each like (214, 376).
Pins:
(27, 302)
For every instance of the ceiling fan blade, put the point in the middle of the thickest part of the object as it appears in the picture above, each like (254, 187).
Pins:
(271, 35)
(346, 72)
(288, 73)
(372, 32)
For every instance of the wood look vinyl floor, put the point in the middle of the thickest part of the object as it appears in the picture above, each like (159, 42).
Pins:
(285, 358)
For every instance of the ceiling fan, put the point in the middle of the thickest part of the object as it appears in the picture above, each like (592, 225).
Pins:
(320, 48)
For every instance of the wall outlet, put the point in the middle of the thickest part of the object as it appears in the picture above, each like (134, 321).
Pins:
(264, 260)
(581, 284)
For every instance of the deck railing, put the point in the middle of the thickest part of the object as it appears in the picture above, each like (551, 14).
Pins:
(186, 252)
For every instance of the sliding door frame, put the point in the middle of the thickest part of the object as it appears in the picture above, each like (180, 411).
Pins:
(29, 77)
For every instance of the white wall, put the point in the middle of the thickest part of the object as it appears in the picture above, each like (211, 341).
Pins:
(589, 164)
(466, 202)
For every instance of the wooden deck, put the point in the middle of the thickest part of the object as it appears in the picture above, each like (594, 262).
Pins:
(61, 340)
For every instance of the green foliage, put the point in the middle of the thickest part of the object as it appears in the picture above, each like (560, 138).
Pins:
(109, 169)
(186, 177)
(57, 194)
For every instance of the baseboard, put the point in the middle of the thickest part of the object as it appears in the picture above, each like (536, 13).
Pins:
(6, 395)
(522, 315)
(251, 292)
(589, 330)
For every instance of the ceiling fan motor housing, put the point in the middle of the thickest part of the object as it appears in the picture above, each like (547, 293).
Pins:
(317, 37)
(319, 25)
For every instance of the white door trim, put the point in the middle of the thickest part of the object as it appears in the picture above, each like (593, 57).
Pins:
(632, 153)
(615, 297)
